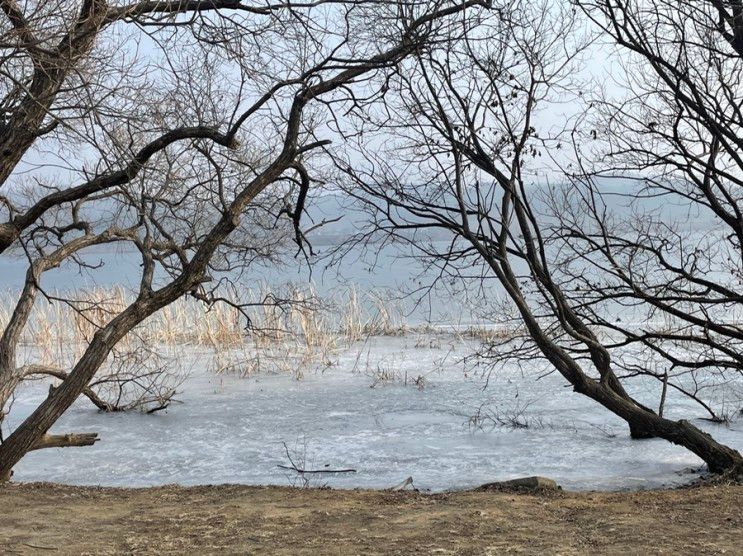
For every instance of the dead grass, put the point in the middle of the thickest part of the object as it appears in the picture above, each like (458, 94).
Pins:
(54, 519)
(289, 330)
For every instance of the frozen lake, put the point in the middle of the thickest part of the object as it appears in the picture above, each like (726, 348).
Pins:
(362, 413)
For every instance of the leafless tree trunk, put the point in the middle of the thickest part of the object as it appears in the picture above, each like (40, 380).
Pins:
(189, 166)
(471, 156)
(673, 135)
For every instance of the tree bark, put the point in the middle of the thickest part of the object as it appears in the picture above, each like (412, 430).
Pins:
(718, 457)
(60, 399)
(643, 422)
(33, 429)
(50, 71)
(65, 440)
(57, 441)
(81, 38)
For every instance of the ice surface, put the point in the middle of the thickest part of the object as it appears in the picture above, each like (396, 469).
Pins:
(231, 430)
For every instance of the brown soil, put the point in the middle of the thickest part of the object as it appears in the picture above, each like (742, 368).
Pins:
(54, 519)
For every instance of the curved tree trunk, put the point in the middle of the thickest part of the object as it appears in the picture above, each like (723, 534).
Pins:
(718, 457)
(28, 434)
(643, 422)
(28, 121)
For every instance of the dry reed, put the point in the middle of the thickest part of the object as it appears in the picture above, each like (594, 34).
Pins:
(284, 330)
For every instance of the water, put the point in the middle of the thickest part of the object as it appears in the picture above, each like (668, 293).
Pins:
(237, 430)
(234, 430)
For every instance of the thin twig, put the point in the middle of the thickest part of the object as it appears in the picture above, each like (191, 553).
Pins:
(305, 471)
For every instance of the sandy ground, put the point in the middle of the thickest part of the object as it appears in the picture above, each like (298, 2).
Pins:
(54, 519)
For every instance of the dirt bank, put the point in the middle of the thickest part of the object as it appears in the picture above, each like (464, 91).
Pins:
(54, 519)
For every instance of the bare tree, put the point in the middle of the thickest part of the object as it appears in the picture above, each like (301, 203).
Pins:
(475, 143)
(180, 128)
(674, 260)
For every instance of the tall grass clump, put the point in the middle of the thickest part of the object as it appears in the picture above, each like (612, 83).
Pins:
(282, 329)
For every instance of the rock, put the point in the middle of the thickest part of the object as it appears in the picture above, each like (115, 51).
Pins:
(524, 483)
